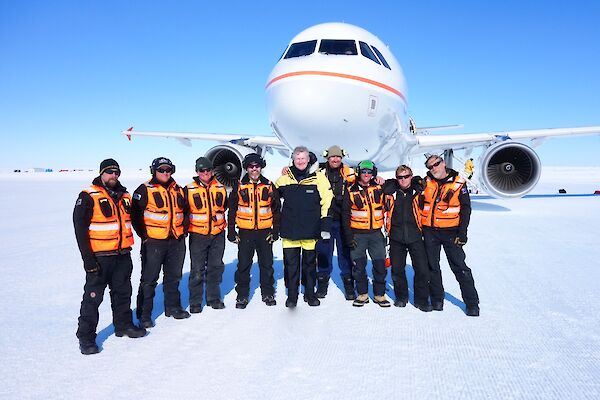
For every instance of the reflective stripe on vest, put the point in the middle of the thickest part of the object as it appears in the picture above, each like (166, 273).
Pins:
(163, 215)
(207, 207)
(254, 206)
(441, 204)
(367, 207)
(110, 227)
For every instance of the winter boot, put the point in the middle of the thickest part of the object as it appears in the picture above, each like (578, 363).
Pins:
(177, 313)
(381, 301)
(361, 300)
(349, 292)
(473, 311)
(400, 303)
(195, 308)
(132, 332)
(437, 305)
(269, 300)
(241, 303)
(322, 284)
(88, 346)
(216, 304)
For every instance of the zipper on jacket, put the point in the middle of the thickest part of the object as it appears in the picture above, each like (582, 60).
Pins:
(255, 206)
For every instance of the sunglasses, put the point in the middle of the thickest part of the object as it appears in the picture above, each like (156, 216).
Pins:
(204, 170)
(165, 170)
(403, 176)
(113, 172)
(435, 164)
(366, 171)
(253, 166)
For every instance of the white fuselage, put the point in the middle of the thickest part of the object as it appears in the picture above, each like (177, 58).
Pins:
(319, 100)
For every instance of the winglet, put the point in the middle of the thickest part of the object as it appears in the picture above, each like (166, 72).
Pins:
(129, 130)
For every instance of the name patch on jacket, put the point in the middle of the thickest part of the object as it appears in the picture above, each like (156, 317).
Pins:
(137, 196)
(310, 191)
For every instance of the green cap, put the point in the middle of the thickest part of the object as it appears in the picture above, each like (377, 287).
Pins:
(366, 164)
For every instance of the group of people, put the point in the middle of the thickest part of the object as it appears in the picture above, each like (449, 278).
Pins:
(325, 206)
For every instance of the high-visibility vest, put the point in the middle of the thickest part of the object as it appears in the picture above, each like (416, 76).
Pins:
(348, 174)
(110, 227)
(254, 206)
(441, 205)
(390, 202)
(207, 207)
(164, 212)
(367, 207)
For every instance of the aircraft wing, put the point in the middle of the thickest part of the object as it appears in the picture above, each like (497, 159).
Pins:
(186, 138)
(439, 143)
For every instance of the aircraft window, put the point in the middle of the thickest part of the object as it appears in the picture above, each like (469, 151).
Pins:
(385, 64)
(366, 51)
(343, 47)
(301, 49)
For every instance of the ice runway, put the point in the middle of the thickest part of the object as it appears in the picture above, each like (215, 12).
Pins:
(535, 262)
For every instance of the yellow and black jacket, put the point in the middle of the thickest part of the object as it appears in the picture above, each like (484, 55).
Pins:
(207, 205)
(158, 210)
(339, 179)
(306, 201)
(445, 203)
(254, 206)
(403, 216)
(102, 221)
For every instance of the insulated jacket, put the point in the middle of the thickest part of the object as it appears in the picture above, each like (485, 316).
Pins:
(403, 218)
(307, 198)
(254, 206)
(158, 210)
(102, 222)
(207, 205)
(339, 179)
(445, 203)
(363, 209)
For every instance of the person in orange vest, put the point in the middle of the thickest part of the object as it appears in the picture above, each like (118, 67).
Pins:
(445, 215)
(207, 201)
(102, 223)
(254, 209)
(157, 216)
(363, 216)
(403, 225)
(340, 176)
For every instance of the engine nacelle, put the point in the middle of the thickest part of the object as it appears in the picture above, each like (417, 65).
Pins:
(227, 162)
(509, 169)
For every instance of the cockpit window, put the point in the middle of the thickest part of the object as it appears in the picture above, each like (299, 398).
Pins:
(301, 49)
(385, 64)
(366, 51)
(341, 47)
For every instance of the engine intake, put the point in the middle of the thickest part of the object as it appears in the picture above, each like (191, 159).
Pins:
(227, 162)
(509, 169)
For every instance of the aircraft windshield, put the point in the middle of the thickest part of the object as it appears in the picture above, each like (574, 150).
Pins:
(301, 49)
(366, 51)
(385, 64)
(341, 47)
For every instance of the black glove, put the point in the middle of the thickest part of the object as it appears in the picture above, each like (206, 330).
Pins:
(418, 183)
(326, 224)
(233, 237)
(351, 242)
(272, 237)
(461, 239)
(91, 265)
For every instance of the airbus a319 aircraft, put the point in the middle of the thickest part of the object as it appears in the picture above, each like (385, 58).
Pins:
(336, 83)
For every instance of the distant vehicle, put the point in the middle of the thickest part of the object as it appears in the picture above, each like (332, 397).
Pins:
(339, 84)
(17, 170)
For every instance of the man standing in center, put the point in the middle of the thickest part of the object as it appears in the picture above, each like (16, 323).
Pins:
(339, 176)
(254, 208)
(207, 201)
(157, 217)
(304, 219)
(362, 219)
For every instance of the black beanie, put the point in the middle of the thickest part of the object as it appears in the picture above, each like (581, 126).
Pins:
(109, 163)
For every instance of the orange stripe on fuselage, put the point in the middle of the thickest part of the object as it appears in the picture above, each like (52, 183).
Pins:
(338, 75)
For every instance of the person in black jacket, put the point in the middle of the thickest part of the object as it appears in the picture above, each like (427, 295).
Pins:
(405, 236)
(103, 231)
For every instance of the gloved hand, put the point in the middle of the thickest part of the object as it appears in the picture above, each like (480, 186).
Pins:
(326, 224)
(325, 235)
(379, 180)
(351, 242)
(91, 265)
(272, 237)
(418, 183)
(233, 237)
(460, 240)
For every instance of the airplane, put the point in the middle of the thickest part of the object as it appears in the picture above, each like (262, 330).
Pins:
(334, 83)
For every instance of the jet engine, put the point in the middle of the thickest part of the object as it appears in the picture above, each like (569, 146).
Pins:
(509, 169)
(227, 162)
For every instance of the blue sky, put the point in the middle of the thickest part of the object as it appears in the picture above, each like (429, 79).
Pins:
(75, 73)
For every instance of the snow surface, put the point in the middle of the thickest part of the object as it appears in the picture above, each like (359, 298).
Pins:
(535, 263)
